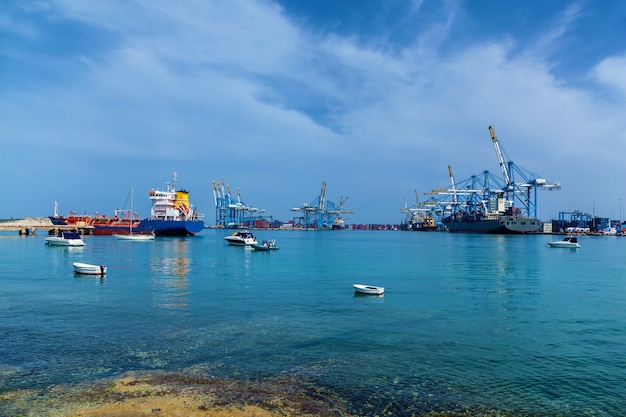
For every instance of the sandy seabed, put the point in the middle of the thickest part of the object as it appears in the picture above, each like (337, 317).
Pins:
(174, 395)
(155, 395)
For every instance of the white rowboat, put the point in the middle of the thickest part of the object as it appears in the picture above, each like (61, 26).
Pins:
(89, 269)
(368, 289)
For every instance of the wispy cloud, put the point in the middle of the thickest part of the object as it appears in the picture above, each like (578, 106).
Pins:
(546, 42)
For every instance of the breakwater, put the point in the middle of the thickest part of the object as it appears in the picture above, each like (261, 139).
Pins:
(31, 225)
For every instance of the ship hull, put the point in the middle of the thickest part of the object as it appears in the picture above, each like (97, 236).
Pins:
(476, 226)
(172, 227)
(417, 227)
(56, 221)
(503, 225)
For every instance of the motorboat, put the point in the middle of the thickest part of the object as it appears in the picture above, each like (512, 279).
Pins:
(368, 289)
(89, 269)
(567, 242)
(241, 238)
(65, 239)
(266, 245)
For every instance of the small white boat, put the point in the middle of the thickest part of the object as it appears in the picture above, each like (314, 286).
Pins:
(65, 239)
(567, 242)
(136, 237)
(89, 269)
(241, 238)
(266, 245)
(368, 289)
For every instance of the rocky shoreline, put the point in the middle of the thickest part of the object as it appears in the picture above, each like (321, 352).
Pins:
(153, 394)
(172, 395)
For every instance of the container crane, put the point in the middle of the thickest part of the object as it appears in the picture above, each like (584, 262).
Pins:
(525, 191)
(496, 145)
(230, 211)
(484, 204)
(321, 213)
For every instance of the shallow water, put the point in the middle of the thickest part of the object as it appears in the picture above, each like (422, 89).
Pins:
(467, 321)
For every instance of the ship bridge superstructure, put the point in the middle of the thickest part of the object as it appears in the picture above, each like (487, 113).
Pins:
(172, 204)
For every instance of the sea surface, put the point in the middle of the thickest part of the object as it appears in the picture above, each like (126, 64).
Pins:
(468, 322)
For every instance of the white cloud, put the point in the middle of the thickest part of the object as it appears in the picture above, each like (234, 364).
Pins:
(611, 72)
(211, 83)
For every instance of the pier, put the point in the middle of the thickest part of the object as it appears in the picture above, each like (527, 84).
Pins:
(30, 226)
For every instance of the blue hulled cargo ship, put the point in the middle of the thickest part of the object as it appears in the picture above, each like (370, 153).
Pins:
(172, 214)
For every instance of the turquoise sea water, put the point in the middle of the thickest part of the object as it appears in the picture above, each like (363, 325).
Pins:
(467, 321)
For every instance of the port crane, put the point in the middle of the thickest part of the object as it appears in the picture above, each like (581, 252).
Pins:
(485, 194)
(321, 213)
(477, 193)
(231, 211)
(524, 190)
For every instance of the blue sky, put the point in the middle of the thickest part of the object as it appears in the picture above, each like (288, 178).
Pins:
(374, 97)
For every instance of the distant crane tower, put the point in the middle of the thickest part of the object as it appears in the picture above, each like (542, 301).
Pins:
(231, 212)
(321, 213)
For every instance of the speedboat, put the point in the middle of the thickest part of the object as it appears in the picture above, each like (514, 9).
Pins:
(265, 245)
(89, 269)
(567, 242)
(241, 238)
(368, 289)
(65, 239)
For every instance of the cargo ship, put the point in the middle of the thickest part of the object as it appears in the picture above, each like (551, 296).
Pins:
(508, 222)
(120, 222)
(171, 213)
(423, 223)
(74, 219)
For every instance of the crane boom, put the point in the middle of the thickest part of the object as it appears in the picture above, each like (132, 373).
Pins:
(496, 145)
(452, 183)
(322, 195)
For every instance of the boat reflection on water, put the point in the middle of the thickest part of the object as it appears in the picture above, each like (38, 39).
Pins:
(369, 298)
(170, 275)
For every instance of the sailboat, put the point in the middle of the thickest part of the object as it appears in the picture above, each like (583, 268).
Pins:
(131, 235)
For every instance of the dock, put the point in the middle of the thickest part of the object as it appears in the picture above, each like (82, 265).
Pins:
(30, 226)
